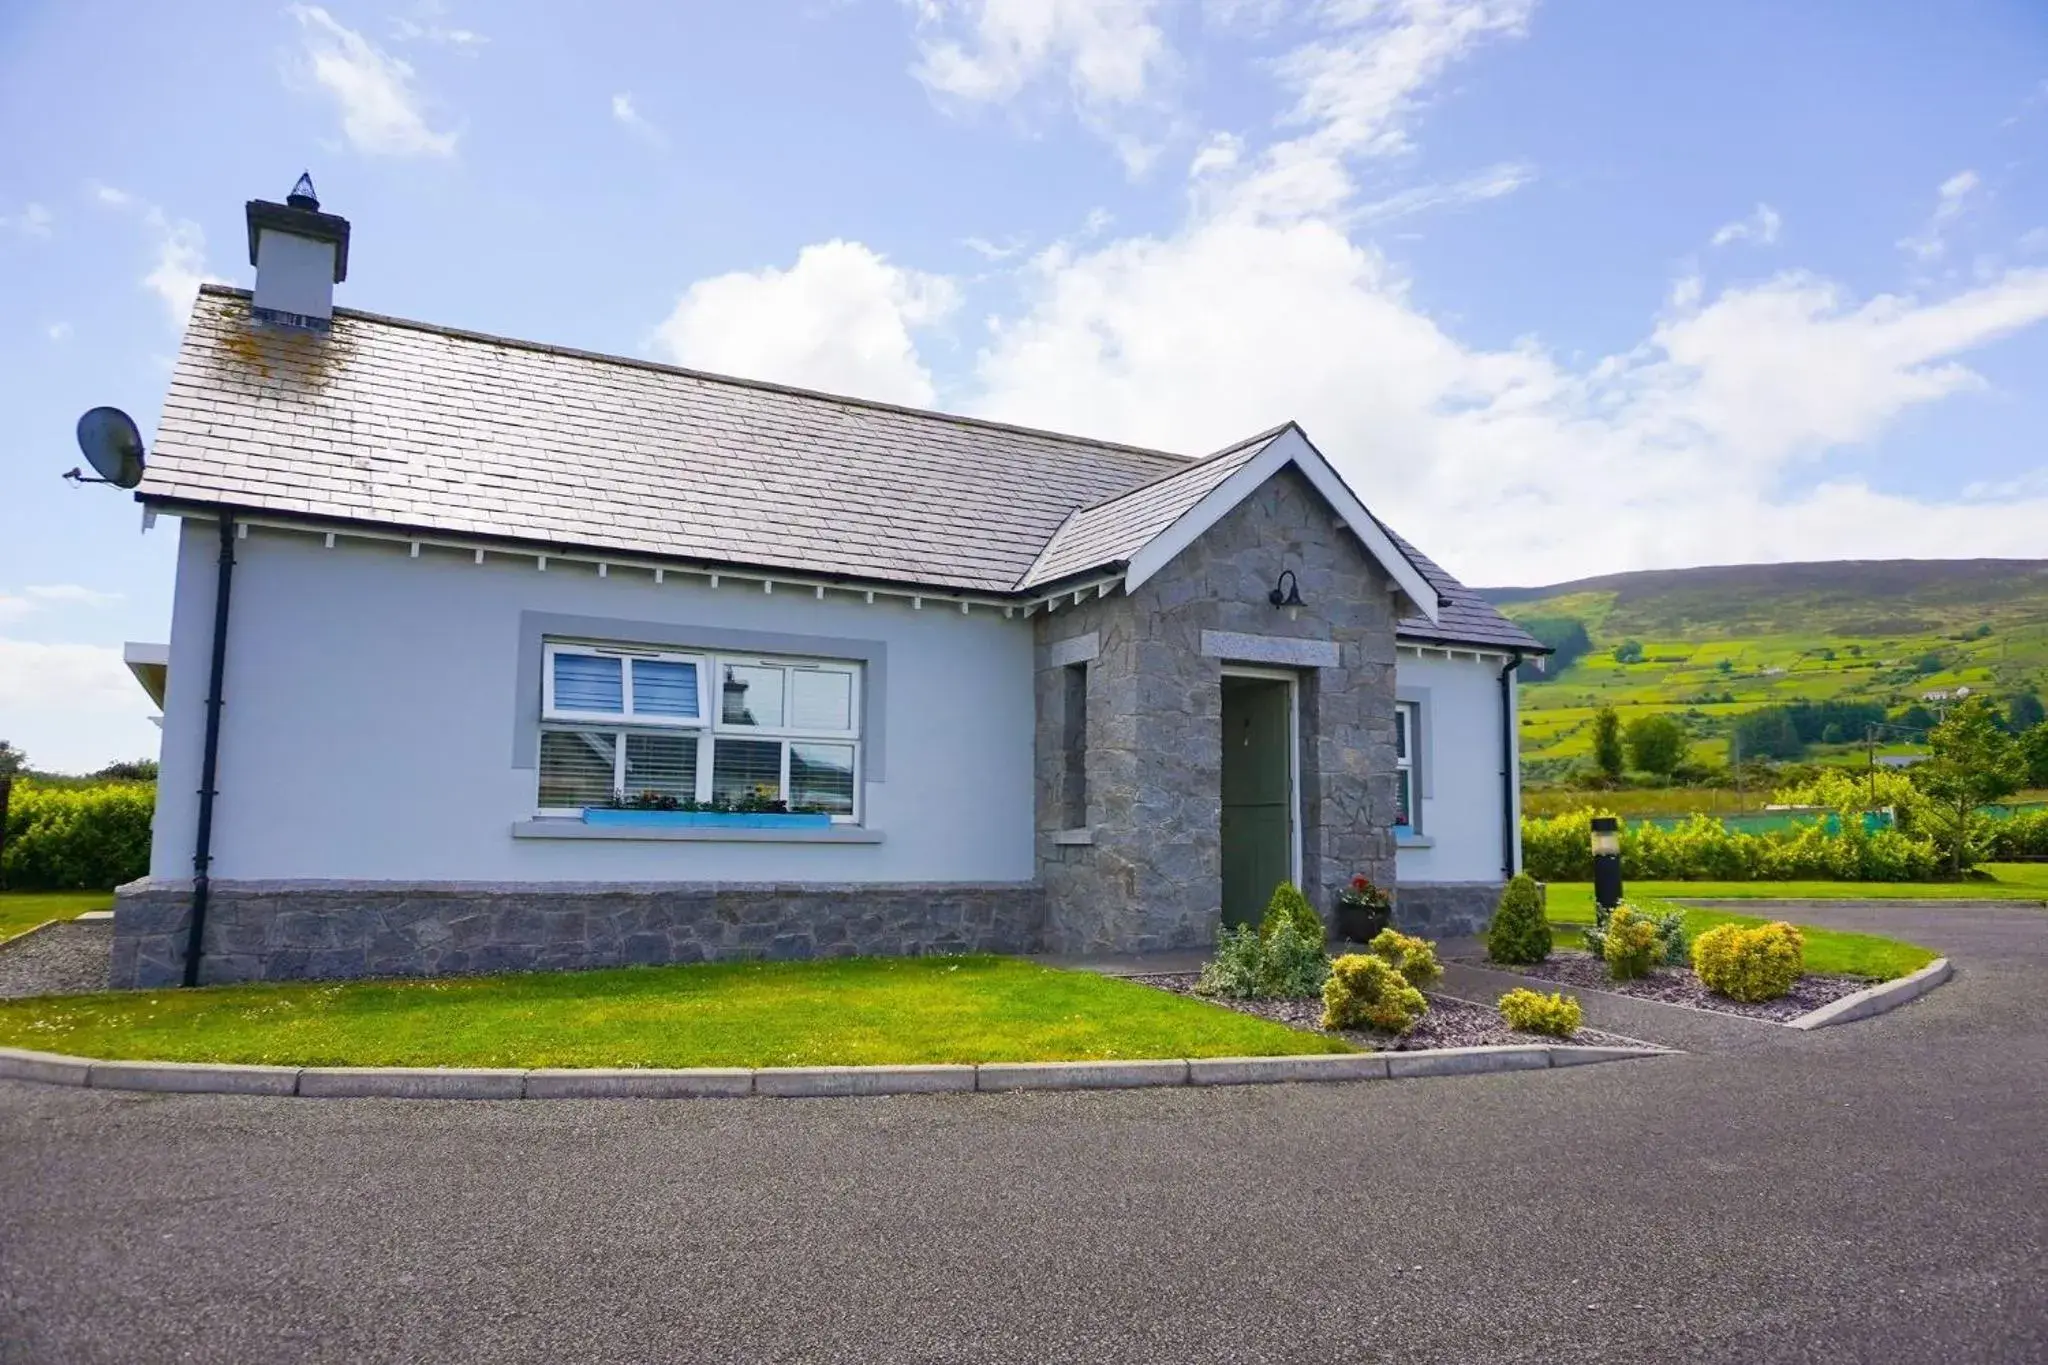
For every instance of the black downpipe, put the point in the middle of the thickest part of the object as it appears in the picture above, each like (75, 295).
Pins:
(1510, 774)
(209, 765)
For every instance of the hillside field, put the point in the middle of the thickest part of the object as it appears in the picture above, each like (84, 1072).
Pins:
(1720, 642)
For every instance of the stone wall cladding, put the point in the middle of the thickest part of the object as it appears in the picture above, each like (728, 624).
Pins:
(1152, 878)
(280, 931)
(1445, 909)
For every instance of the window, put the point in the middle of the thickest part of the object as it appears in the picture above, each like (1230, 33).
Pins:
(615, 719)
(1074, 755)
(1405, 792)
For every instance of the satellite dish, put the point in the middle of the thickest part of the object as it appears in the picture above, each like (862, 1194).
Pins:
(113, 445)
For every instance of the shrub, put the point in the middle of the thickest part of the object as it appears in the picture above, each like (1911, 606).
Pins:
(1250, 967)
(1294, 966)
(1519, 932)
(1413, 958)
(77, 838)
(1534, 1012)
(1365, 991)
(1750, 964)
(1239, 963)
(1702, 849)
(1290, 905)
(1630, 944)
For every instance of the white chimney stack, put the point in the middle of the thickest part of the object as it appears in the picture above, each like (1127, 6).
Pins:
(300, 254)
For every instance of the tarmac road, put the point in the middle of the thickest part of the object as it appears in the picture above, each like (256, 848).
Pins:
(1872, 1192)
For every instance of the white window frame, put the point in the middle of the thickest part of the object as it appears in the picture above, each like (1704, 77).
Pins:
(708, 725)
(627, 716)
(1407, 725)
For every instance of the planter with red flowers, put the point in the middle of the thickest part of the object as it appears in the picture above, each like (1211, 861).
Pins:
(1363, 909)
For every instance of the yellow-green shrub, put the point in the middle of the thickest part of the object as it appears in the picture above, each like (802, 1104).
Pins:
(1414, 958)
(1632, 944)
(77, 838)
(1750, 964)
(1364, 991)
(1534, 1012)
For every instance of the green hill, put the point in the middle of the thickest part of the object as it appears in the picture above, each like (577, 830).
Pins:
(1716, 643)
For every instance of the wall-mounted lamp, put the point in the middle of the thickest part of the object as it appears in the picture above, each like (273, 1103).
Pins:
(1287, 593)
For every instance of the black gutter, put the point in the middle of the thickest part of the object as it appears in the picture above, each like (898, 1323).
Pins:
(209, 767)
(1510, 770)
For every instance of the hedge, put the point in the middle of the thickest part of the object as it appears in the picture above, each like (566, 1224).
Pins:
(76, 838)
(1703, 849)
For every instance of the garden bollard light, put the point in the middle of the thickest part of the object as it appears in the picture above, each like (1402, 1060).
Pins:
(1607, 861)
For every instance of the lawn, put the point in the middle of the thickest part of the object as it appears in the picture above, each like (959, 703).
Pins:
(849, 1011)
(2001, 882)
(21, 911)
(1569, 905)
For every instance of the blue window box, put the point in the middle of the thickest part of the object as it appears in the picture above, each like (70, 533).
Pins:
(594, 815)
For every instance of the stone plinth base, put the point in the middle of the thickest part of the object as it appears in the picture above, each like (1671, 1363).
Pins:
(317, 930)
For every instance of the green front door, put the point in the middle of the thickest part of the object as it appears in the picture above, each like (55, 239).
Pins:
(1258, 797)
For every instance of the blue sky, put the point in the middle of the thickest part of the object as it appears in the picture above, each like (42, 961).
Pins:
(1564, 288)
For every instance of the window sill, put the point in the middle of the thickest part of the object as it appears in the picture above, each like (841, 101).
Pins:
(560, 828)
(1073, 836)
(1413, 841)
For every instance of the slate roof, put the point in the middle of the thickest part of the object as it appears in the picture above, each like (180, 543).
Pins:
(1111, 532)
(1463, 617)
(431, 429)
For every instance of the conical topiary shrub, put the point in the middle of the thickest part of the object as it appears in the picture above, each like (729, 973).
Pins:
(1519, 932)
(1289, 904)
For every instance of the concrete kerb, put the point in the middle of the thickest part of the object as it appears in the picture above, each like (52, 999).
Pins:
(1878, 999)
(454, 1083)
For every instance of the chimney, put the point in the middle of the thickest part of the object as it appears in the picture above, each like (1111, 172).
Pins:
(300, 254)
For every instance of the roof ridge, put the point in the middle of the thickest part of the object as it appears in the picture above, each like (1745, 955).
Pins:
(708, 376)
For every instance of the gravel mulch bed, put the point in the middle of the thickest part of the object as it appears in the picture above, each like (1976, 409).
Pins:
(1449, 1023)
(63, 959)
(1680, 986)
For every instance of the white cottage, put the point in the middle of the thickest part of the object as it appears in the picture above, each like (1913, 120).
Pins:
(490, 655)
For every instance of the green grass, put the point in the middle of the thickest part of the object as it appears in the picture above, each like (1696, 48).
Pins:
(858, 1011)
(21, 911)
(2000, 882)
(1849, 632)
(1836, 952)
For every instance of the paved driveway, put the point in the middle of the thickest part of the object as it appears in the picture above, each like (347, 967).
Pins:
(1876, 1192)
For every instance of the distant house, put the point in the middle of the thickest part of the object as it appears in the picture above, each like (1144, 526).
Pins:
(904, 682)
(1900, 760)
(1946, 694)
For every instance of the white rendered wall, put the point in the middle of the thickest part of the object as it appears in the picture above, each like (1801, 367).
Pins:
(1460, 828)
(294, 274)
(369, 727)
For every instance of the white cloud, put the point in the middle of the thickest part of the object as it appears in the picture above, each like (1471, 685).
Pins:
(107, 196)
(381, 112)
(71, 707)
(1108, 57)
(58, 331)
(841, 319)
(1760, 227)
(1492, 183)
(1699, 443)
(461, 39)
(32, 222)
(2033, 240)
(42, 597)
(1951, 201)
(635, 122)
(993, 251)
(1357, 88)
(179, 266)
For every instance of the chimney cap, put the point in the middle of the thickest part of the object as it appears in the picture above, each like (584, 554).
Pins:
(300, 216)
